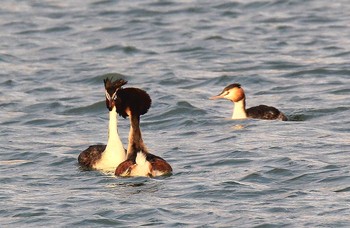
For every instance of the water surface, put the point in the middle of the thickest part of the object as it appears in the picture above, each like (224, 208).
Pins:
(293, 55)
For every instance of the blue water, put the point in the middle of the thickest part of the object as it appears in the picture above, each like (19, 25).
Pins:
(293, 55)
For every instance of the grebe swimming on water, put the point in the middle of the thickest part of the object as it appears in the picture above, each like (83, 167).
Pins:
(106, 157)
(235, 93)
(134, 102)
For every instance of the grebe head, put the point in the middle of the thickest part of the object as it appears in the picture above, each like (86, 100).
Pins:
(132, 100)
(111, 88)
(232, 92)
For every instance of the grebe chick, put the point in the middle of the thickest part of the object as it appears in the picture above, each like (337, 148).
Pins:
(134, 102)
(235, 93)
(106, 157)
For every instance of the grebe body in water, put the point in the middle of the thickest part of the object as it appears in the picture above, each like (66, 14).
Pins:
(134, 102)
(106, 157)
(235, 93)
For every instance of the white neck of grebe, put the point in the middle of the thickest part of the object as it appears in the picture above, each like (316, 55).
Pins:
(239, 111)
(114, 153)
(113, 136)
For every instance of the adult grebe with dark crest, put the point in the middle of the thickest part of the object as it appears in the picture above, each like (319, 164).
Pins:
(134, 102)
(235, 93)
(107, 157)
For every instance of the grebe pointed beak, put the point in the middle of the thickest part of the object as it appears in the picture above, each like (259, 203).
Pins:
(110, 103)
(216, 97)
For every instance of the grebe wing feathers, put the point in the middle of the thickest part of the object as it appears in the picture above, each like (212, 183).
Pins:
(124, 168)
(158, 164)
(91, 155)
(265, 112)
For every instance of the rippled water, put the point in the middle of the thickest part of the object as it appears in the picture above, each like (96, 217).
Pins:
(290, 54)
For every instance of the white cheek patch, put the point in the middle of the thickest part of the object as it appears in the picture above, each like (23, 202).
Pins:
(114, 95)
(107, 95)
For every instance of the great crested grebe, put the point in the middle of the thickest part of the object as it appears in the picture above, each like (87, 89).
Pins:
(235, 93)
(107, 157)
(134, 102)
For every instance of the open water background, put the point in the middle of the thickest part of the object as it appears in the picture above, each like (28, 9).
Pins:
(293, 55)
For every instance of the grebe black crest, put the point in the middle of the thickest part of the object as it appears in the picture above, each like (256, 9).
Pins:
(132, 99)
(235, 93)
(106, 157)
(111, 89)
(134, 102)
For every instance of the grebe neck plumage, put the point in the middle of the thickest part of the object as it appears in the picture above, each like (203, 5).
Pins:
(239, 111)
(114, 153)
(135, 142)
(236, 94)
(106, 157)
(137, 152)
(139, 162)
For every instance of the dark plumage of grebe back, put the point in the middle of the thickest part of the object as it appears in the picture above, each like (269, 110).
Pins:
(235, 93)
(106, 157)
(91, 155)
(266, 113)
(134, 102)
